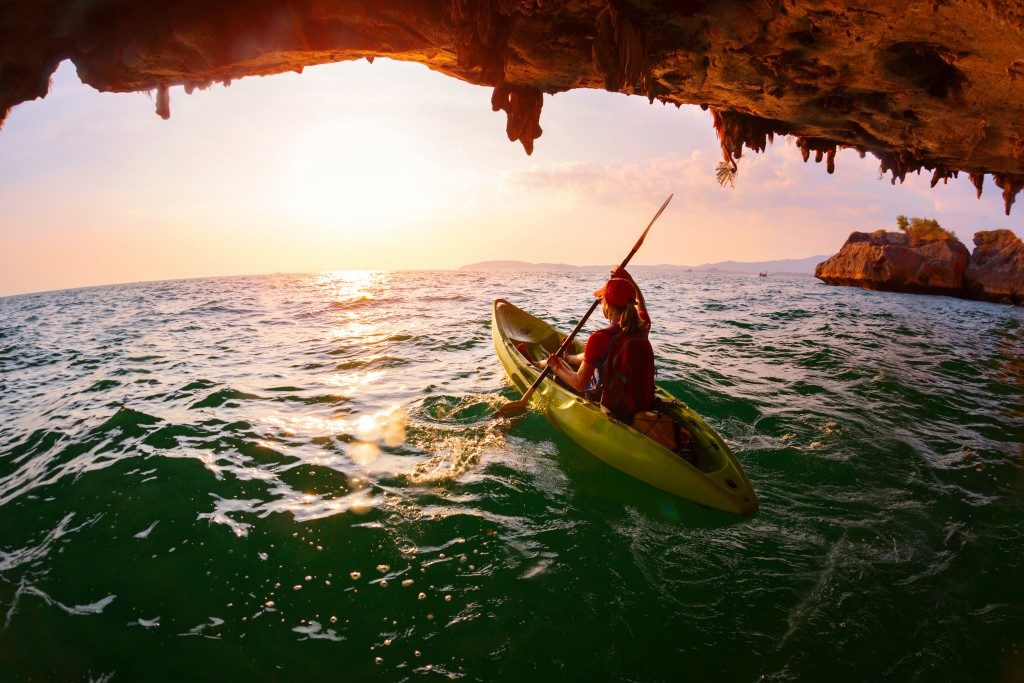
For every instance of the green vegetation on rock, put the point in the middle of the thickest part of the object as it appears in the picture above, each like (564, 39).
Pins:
(923, 230)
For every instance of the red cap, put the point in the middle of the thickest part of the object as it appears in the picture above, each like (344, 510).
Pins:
(617, 292)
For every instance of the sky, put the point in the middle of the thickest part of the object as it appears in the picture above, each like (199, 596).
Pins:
(392, 166)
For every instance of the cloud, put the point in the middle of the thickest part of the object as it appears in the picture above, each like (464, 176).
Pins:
(774, 185)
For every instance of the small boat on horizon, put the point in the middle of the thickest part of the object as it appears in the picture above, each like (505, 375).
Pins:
(764, 274)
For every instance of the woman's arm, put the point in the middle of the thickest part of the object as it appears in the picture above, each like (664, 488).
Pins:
(577, 379)
(574, 360)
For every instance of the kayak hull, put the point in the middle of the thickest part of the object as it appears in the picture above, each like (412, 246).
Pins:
(714, 478)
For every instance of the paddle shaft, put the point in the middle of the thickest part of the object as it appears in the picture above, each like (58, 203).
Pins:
(568, 340)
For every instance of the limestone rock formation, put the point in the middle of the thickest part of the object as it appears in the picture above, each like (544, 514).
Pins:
(922, 85)
(996, 268)
(926, 259)
(898, 262)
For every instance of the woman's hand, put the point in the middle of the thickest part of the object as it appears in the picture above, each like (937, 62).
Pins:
(622, 273)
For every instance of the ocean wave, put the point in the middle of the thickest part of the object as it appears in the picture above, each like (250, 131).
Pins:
(311, 465)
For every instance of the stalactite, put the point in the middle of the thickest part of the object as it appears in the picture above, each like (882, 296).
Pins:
(737, 130)
(899, 163)
(978, 179)
(1011, 184)
(726, 171)
(943, 173)
(163, 102)
(192, 86)
(522, 106)
(823, 150)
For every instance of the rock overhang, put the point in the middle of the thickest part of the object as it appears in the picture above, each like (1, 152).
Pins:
(932, 86)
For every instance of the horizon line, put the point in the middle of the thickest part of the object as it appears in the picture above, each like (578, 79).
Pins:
(453, 269)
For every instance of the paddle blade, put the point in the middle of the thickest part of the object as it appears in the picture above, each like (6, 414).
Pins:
(512, 409)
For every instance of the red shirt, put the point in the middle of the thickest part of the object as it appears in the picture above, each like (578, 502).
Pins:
(596, 350)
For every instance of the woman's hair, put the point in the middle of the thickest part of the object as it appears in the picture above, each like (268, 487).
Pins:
(629, 319)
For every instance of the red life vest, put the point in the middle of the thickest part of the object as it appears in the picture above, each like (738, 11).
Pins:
(627, 380)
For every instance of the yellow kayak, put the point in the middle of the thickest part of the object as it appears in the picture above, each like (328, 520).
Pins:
(711, 475)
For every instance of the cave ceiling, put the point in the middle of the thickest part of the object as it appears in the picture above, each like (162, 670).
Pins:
(935, 86)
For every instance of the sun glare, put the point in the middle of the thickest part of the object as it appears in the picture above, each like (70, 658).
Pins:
(348, 286)
(357, 171)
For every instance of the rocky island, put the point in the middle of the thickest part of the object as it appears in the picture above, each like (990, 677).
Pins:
(924, 258)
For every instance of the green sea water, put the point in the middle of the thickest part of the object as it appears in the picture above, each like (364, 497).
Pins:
(295, 478)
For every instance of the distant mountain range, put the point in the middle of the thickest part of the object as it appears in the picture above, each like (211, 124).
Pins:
(517, 265)
(789, 266)
(803, 266)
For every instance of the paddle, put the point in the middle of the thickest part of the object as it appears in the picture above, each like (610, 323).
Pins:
(514, 408)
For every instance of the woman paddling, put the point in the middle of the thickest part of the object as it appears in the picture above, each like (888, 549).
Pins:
(617, 363)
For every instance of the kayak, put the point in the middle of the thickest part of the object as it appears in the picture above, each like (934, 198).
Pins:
(709, 475)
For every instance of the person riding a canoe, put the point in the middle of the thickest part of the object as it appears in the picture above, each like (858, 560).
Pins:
(617, 363)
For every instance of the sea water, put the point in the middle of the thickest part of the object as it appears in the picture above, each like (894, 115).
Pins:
(295, 477)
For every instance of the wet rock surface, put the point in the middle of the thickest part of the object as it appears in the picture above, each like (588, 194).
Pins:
(901, 262)
(892, 261)
(996, 268)
(923, 86)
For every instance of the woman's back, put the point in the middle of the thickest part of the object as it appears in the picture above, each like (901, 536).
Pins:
(627, 382)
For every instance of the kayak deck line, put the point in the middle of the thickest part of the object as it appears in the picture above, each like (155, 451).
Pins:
(713, 478)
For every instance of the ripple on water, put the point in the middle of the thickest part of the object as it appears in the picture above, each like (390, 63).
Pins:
(217, 470)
